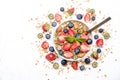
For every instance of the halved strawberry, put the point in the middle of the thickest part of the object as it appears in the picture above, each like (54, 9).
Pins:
(75, 45)
(71, 32)
(84, 36)
(61, 37)
(74, 65)
(66, 46)
(87, 17)
(45, 45)
(45, 27)
(50, 56)
(58, 17)
(85, 47)
(99, 42)
(68, 54)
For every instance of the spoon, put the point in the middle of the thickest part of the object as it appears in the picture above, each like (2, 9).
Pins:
(98, 25)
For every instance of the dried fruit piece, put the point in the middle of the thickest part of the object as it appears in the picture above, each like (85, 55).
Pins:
(55, 65)
(58, 17)
(50, 57)
(87, 17)
(45, 45)
(74, 65)
(51, 16)
(70, 11)
(40, 35)
(99, 42)
(45, 27)
(92, 11)
(106, 35)
(94, 64)
(94, 55)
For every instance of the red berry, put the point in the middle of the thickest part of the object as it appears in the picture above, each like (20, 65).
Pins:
(87, 17)
(45, 27)
(75, 45)
(66, 47)
(85, 47)
(74, 65)
(61, 38)
(99, 42)
(71, 10)
(58, 17)
(71, 32)
(50, 57)
(68, 54)
(45, 45)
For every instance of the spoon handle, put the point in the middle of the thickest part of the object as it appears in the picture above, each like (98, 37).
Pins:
(98, 25)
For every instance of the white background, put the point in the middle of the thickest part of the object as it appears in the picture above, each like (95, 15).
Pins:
(18, 56)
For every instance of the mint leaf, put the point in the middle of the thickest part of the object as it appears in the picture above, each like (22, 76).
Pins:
(80, 39)
(70, 39)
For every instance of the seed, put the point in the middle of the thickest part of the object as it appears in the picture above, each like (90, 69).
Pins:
(94, 64)
(40, 35)
(55, 65)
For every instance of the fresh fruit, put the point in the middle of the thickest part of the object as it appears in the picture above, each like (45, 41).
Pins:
(77, 35)
(80, 31)
(65, 30)
(71, 32)
(77, 50)
(84, 36)
(89, 41)
(79, 16)
(94, 64)
(54, 24)
(68, 54)
(74, 65)
(93, 18)
(82, 67)
(75, 45)
(60, 52)
(98, 50)
(61, 38)
(51, 16)
(45, 27)
(87, 61)
(70, 11)
(47, 36)
(85, 47)
(70, 25)
(62, 9)
(51, 48)
(55, 65)
(106, 35)
(94, 55)
(59, 29)
(40, 35)
(96, 36)
(64, 62)
(99, 42)
(50, 57)
(45, 45)
(101, 30)
(87, 17)
(58, 17)
(66, 46)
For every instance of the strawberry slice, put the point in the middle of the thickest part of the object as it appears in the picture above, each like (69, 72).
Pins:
(58, 17)
(85, 47)
(50, 56)
(87, 17)
(84, 36)
(45, 27)
(71, 32)
(45, 45)
(66, 47)
(74, 65)
(61, 38)
(72, 10)
(75, 45)
(68, 54)
(99, 42)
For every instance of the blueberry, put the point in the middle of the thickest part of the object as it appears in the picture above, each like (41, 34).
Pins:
(70, 25)
(79, 16)
(82, 67)
(47, 36)
(77, 51)
(98, 50)
(62, 9)
(54, 24)
(65, 30)
(89, 41)
(51, 48)
(93, 18)
(77, 35)
(60, 52)
(64, 62)
(100, 30)
(96, 36)
(87, 60)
